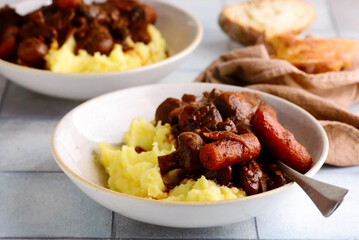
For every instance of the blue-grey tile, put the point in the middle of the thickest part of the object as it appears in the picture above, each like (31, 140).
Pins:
(128, 228)
(323, 25)
(21, 102)
(354, 108)
(214, 44)
(205, 11)
(3, 2)
(349, 34)
(319, 33)
(298, 218)
(232, 45)
(25, 145)
(2, 86)
(229, 2)
(181, 76)
(48, 205)
(323, 21)
(345, 15)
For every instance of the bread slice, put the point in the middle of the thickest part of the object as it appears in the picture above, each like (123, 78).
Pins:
(247, 22)
(314, 55)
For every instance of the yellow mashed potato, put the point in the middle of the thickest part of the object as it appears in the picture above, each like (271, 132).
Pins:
(64, 59)
(138, 174)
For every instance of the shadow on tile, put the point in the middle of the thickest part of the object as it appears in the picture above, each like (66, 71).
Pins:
(128, 228)
(35, 205)
(16, 134)
(298, 218)
(2, 86)
(20, 102)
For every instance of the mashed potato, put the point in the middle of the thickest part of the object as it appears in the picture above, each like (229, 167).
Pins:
(203, 190)
(64, 59)
(138, 174)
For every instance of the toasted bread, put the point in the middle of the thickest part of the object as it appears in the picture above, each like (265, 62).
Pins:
(314, 55)
(247, 22)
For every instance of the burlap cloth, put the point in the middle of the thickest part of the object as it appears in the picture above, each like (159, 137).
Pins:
(326, 96)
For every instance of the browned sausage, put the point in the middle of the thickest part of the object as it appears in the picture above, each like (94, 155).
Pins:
(221, 135)
(138, 27)
(66, 4)
(165, 108)
(9, 17)
(8, 42)
(188, 98)
(279, 141)
(32, 51)
(37, 17)
(8, 47)
(124, 5)
(98, 39)
(225, 152)
(150, 13)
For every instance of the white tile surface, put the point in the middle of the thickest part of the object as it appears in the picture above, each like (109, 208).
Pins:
(345, 15)
(48, 205)
(181, 76)
(21, 102)
(127, 228)
(349, 34)
(206, 11)
(214, 44)
(298, 218)
(26, 145)
(354, 108)
(323, 21)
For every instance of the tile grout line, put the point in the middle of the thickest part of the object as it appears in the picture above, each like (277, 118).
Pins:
(332, 18)
(46, 238)
(4, 93)
(256, 225)
(113, 225)
(228, 41)
(34, 118)
(31, 171)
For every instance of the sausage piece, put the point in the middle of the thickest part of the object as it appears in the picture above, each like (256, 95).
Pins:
(99, 39)
(32, 51)
(226, 152)
(165, 108)
(124, 5)
(66, 4)
(9, 17)
(8, 42)
(150, 13)
(279, 141)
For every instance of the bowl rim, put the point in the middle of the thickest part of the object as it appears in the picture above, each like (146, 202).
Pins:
(72, 175)
(187, 50)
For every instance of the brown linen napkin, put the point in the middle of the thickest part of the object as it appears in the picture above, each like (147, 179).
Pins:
(324, 95)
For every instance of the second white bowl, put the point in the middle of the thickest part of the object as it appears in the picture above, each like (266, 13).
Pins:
(180, 29)
(108, 117)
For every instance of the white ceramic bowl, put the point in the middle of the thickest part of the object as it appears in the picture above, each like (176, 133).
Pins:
(107, 117)
(180, 29)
